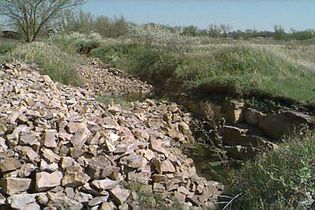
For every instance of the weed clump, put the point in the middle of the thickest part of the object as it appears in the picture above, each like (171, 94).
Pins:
(116, 55)
(55, 63)
(245, 70)
(153, 64)
(85, 47)
(280, 179)
(148, 63)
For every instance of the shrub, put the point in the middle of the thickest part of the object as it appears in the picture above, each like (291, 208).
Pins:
(280, 179)
(85, 23)
(112, 28)
(59, 65)
(190, 31)
(81, 22)
(148, 63)
(153, 35)
(280, 33)
(74, 42)
(117, 55)
(149, 200)
(153, 64)
(85, 47)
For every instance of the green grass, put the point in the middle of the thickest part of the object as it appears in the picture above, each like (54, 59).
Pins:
(225, 69)
(116, 55)
(55, 63)
(85, 47)
(280, 179)
(244, 70)
(146, 62)
(150, 200)
(6, 47)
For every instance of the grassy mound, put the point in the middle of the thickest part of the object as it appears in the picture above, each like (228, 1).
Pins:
(59, 65)
(237, 70)
(246, 70)
(281, 179)
(148, 63)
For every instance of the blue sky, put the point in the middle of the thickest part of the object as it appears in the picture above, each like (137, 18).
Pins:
(241, 14)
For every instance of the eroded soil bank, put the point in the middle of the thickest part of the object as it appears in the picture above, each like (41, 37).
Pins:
(226, 130)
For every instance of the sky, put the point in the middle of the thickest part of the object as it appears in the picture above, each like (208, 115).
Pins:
(240, 14)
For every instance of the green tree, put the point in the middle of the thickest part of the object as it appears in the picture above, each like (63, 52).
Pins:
(279, 33)
(190, 31)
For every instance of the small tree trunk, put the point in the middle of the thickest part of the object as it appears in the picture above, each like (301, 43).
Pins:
(27, 39)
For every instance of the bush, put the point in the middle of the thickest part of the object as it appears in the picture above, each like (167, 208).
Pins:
(85, 23)
(74, 42)
(148, 63)
(281, 179)
(6, 47)
(190, 31)
(86, 46)
(153, 35)
(149, 200)
(112, 28)
(116, 55)
(153, 64)
(55, 63)
(280, 33)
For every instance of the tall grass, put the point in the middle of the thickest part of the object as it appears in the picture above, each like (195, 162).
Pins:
(146, 62)
(280, 179)
(245, 70)
(54, 62)
(75, 42)
(6, 47)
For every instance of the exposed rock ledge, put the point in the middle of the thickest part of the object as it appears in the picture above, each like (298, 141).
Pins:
(60, 148)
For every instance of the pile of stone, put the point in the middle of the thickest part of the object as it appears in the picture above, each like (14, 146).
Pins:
(61, 149)
(105, 80)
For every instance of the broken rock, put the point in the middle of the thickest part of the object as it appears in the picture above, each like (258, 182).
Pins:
(46, 180)
(119, 195)
(15, 185)
(100, 167)
(9, 164)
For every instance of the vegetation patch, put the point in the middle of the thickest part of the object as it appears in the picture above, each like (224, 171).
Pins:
(280, 179)
(244, 70)
(85, 47)
(6, 47)
(232, 71)
(116, 55)
(149, 200)
(153, 64)
(148, 63)
(55, 63)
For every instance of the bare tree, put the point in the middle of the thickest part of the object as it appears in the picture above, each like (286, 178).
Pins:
(30, 16)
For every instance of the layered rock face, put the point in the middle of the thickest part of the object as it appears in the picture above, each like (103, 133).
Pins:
(61, 149)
